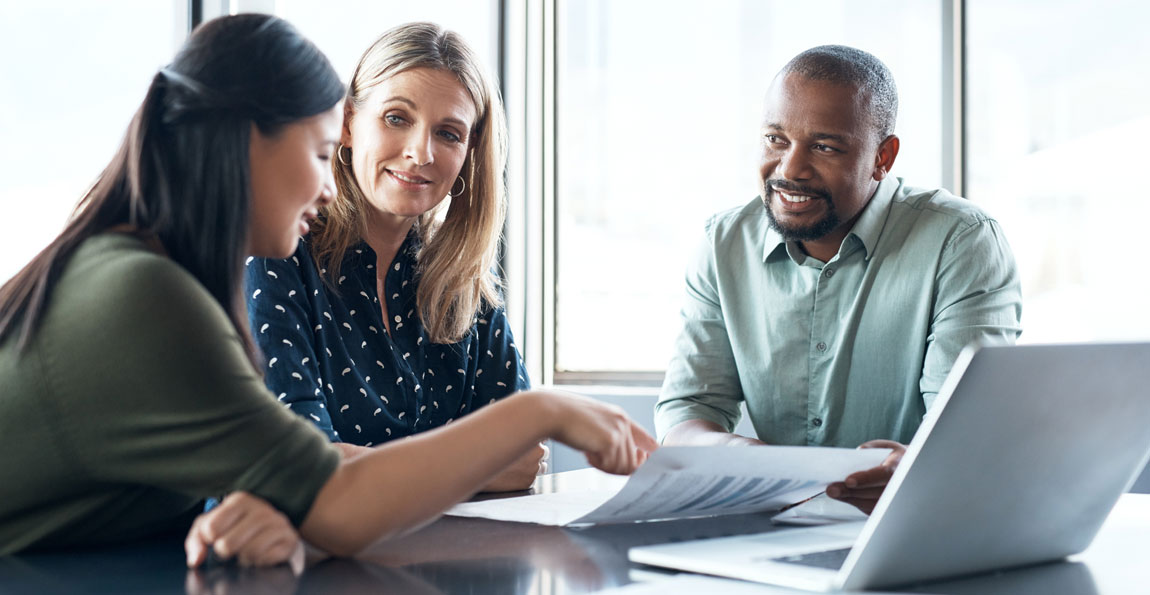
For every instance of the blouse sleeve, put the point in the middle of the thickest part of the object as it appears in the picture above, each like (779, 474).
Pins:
(284, 326)
(503, 372)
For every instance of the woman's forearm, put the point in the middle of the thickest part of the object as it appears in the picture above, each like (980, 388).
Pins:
(404, 484)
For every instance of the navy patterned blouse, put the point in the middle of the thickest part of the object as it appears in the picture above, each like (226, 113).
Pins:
(331, 359)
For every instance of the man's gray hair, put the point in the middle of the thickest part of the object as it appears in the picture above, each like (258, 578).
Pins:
(845, 65)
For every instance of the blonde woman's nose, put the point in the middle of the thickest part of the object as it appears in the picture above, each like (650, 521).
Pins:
(418, 149)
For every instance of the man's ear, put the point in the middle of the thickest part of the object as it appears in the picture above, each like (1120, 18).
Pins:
(884, 158)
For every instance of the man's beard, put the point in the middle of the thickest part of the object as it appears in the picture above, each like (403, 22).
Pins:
(796, 233)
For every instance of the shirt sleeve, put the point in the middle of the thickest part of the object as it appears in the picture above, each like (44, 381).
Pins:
(978, 298)
(702, 380)
(503, 372)
(284, 327)
(155, 389)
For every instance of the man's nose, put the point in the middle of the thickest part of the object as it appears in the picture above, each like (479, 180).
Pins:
(795, 164)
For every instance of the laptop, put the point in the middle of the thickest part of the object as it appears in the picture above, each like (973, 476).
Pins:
(1019, 461)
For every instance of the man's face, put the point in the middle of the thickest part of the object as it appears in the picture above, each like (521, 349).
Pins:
(821, 158)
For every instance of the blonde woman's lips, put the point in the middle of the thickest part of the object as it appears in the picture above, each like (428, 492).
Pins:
(408, 180)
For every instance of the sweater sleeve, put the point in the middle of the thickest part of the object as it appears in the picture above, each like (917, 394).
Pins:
(154, 388)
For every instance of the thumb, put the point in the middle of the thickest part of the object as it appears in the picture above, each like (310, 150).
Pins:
(891, 444)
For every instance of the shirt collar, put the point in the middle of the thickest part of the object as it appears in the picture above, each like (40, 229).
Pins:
(869, 226)
(866, 229)
(362, 253)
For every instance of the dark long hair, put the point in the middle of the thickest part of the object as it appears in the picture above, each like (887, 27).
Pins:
(181, 175)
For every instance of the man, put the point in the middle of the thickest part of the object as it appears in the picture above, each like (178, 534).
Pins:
(834, 304)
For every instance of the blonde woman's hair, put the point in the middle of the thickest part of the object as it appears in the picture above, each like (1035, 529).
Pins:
(458, 250)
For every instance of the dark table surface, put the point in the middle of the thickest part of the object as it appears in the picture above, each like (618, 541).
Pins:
(462, 555)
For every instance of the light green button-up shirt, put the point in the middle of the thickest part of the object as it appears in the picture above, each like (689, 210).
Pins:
(847, 351)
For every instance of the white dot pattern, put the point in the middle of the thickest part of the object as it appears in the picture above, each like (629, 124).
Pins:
(405, 384)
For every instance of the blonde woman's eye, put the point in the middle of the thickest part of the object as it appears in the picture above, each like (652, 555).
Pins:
(449, 135)
(393, 119)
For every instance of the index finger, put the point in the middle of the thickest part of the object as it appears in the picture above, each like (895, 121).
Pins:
(642, 439)
(195, 546)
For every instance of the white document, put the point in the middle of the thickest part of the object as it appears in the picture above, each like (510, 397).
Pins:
(821, 510)
(680, 482)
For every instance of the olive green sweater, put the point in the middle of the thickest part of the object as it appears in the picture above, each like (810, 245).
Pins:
(133, 402)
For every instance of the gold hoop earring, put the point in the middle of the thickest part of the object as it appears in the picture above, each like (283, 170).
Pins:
(339, 154)
(455, 194)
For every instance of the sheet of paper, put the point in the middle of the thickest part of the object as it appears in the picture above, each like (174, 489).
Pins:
(558, 509)
(819, 511)
(690, 481)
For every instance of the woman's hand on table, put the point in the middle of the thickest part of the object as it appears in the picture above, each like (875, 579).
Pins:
(246, 528)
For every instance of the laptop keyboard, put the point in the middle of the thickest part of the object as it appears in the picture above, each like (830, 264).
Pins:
(832, 559)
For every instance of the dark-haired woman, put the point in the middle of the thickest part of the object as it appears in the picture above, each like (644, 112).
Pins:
(130, 388)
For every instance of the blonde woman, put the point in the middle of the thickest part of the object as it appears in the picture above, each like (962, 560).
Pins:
(386, 322)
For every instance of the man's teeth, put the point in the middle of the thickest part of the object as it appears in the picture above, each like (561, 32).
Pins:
(792, 198)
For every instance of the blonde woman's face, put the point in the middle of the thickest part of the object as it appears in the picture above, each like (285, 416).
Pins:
(409, 140)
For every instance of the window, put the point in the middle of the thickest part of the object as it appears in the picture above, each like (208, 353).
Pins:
(658, 109)
(73, 74)
(632, 121)
(1054, 131)
(343, 29)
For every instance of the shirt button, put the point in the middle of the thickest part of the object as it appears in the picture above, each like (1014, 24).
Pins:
(829, 273)
(821, 346)
(816, 422)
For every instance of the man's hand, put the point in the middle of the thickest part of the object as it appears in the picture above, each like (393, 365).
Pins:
(862, 489)
(522, 473)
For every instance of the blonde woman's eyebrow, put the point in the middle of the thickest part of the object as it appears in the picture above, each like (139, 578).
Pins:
(399, 98)
(404, 100)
